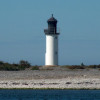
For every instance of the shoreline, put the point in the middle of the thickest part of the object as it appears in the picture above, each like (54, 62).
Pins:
(55, 78)
(65, 83)
(48, 89)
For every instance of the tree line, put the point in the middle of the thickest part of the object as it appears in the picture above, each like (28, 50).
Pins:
(22, 65)
(82, 66)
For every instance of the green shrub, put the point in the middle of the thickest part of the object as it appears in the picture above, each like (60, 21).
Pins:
(76, 67)
(8, 67)
(35, 67)
(25, 64)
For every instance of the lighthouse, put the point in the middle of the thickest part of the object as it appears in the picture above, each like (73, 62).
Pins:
(51, 55)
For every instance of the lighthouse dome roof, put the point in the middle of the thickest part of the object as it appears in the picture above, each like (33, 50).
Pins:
(52, 19)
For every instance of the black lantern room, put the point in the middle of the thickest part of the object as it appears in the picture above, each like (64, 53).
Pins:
(52, 26)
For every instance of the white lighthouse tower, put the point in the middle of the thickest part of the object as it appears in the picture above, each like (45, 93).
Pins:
(51, 55)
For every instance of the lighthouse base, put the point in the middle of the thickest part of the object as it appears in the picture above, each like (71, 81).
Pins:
(50, 66)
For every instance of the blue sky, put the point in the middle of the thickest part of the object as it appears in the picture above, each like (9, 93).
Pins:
(22, 24)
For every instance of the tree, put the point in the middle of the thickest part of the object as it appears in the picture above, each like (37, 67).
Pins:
(24, 63)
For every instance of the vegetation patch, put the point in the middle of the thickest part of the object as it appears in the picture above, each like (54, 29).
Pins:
(93, 66)
(82, 66)
(35, 67)
(14, 67)
(74, 67)
(22, 65)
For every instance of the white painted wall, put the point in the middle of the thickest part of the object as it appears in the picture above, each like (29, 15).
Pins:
(51, 56)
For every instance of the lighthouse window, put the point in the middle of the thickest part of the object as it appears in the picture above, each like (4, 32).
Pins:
(56, 53)
(55, 37)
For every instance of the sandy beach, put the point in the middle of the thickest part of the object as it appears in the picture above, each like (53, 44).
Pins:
(55, 78)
